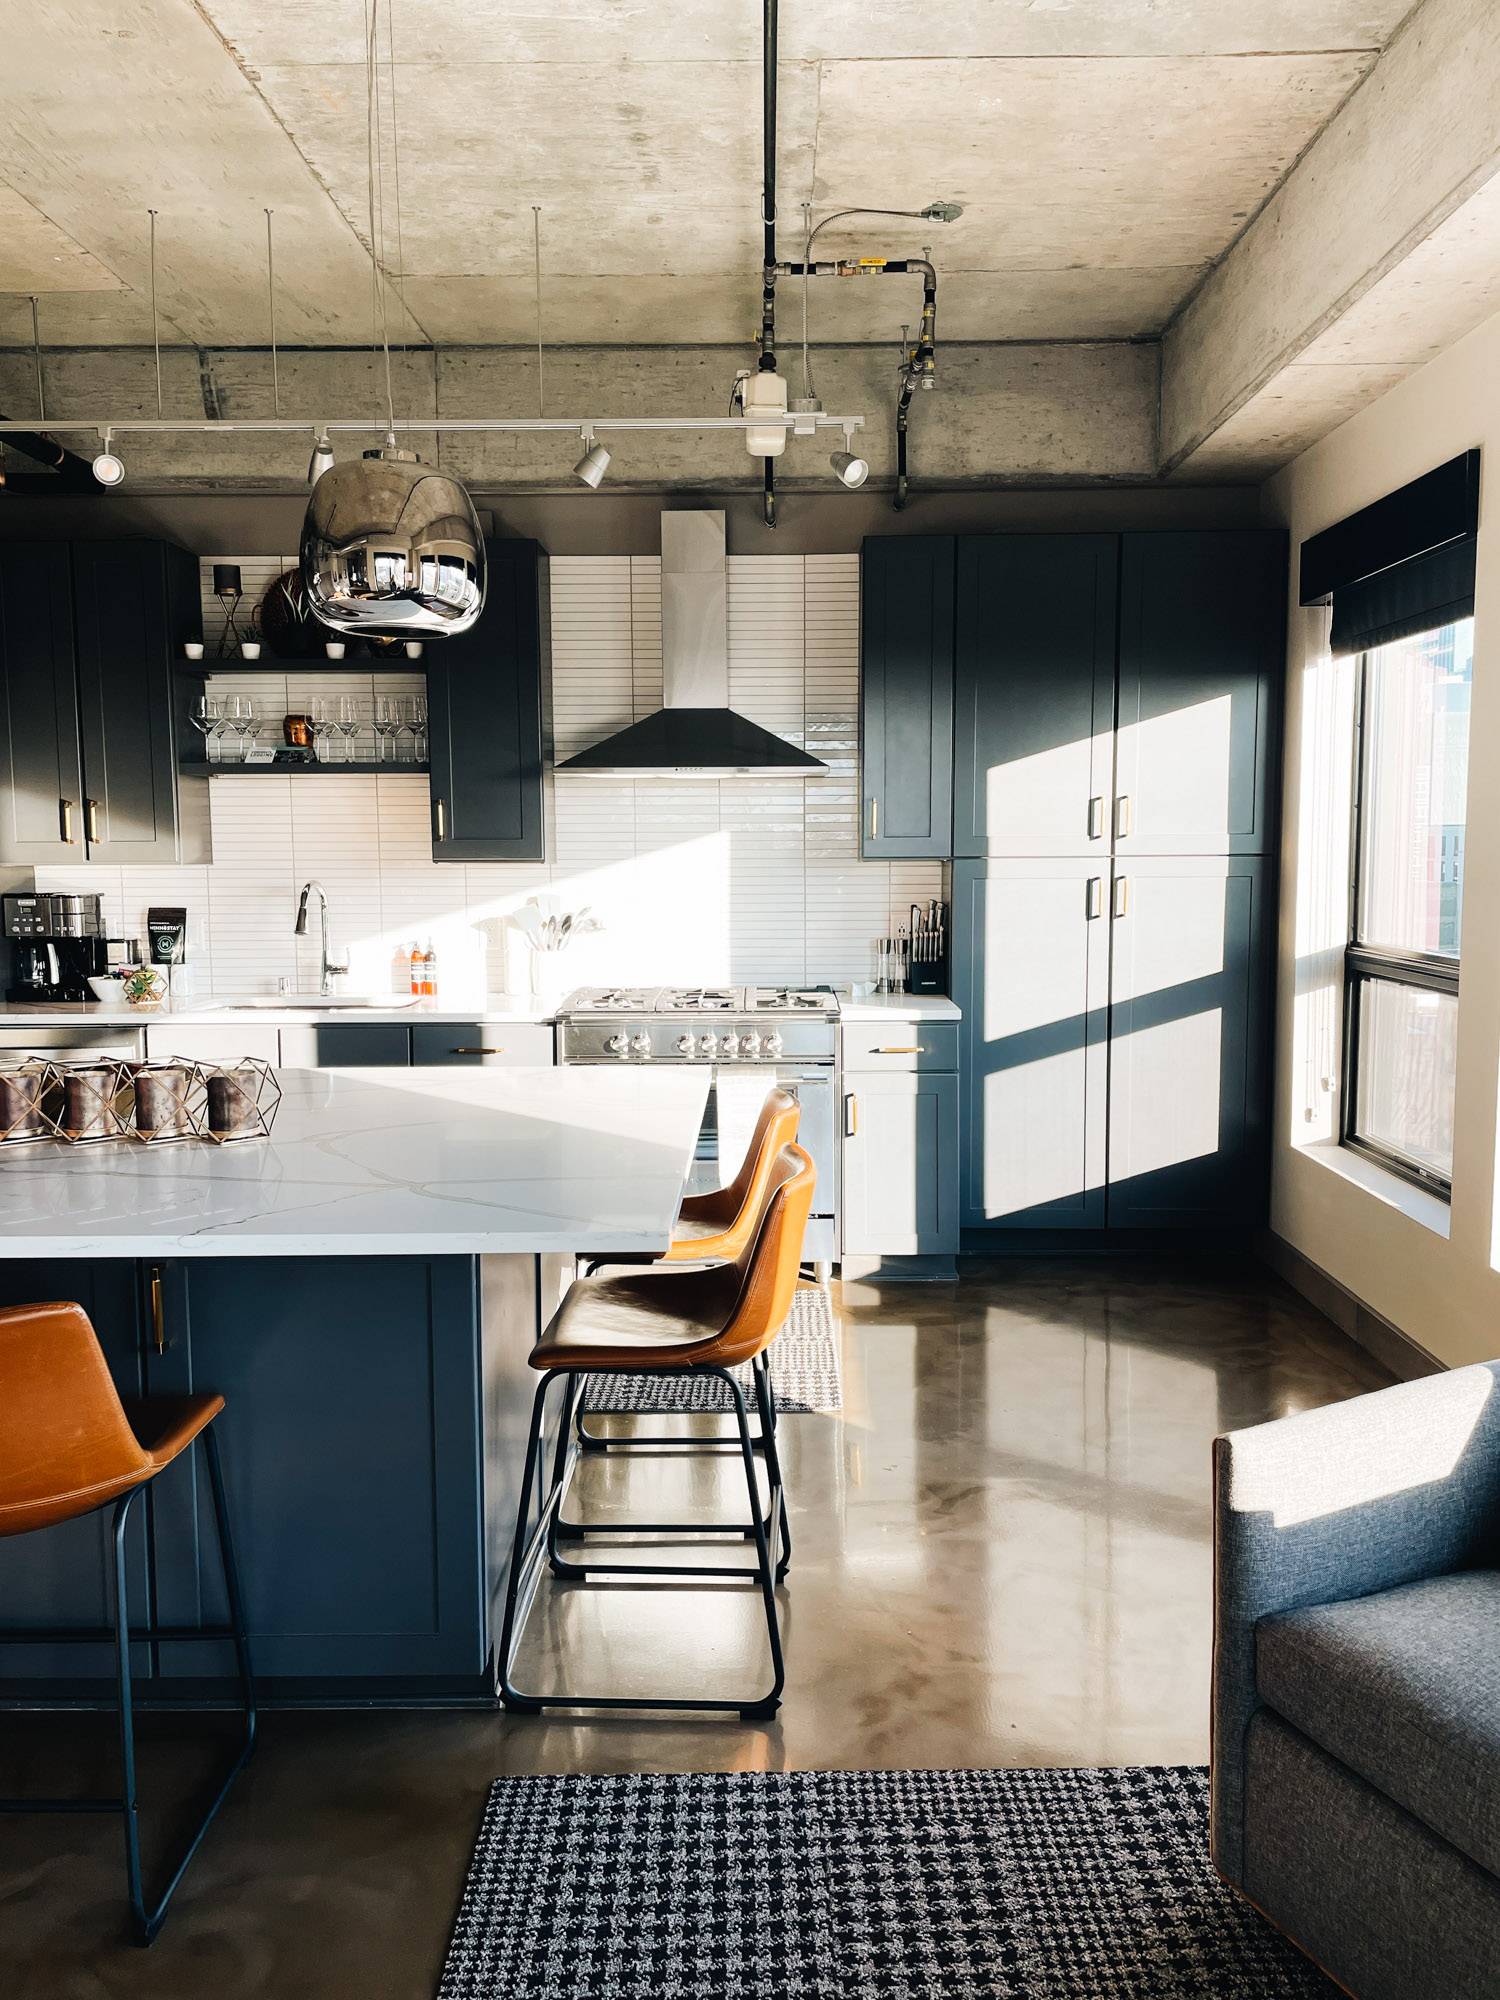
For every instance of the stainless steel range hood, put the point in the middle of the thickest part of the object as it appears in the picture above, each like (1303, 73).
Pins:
(696, 733)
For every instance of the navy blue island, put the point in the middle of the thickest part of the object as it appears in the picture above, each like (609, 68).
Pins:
(363, 1286)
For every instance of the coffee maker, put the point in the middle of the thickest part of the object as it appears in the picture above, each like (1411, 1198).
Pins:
(57, 944)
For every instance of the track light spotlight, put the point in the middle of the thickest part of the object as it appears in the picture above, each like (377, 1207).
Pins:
(942, 211)
(108, 469)
(852, 470)
(592, 467)
(322, 457)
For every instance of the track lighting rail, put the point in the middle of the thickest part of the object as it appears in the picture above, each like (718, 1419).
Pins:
(304, 426)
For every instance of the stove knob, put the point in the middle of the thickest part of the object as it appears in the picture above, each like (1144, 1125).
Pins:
(686, 1044)
(729, 1048)
(708, 1044)
(618, 1045)
(642, 1044)
(750, 1045)
(772, 1045)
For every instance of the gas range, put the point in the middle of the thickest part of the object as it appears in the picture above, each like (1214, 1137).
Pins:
(713, 1024)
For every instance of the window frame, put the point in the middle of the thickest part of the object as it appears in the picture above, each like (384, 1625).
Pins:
(1431, 972)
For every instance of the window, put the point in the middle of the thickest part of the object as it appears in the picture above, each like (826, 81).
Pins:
(1401, 968)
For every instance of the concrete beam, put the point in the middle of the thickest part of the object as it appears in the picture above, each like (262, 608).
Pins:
(1340, 249)
(1070, 414)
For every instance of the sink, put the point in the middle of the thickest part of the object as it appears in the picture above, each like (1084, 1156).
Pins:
(311, 1003)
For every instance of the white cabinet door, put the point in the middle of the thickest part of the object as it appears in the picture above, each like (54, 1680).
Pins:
(167, 1042)
(1032, 966)
(900, 1162)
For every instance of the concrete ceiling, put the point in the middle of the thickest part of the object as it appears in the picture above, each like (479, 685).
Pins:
(1197, 233)
(1108, 152)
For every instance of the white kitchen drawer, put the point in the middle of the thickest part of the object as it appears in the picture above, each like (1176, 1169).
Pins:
(876, 1046)
(477, 1045)
(166, 1042)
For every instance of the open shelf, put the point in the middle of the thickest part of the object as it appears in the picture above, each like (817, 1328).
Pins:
(315, 663)
(196, 768)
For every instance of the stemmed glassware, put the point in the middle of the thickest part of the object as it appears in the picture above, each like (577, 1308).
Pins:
(419, 727)
(386, 724)
(239, 720)
(324, 728)
(346, 719)
(207, 717)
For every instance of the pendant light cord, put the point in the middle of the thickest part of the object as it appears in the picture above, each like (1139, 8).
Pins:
(372, 133)
(536, 259)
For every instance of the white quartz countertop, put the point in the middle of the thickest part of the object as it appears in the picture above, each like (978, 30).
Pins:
(497, 1009)
(900, 1007)
(372, 1162)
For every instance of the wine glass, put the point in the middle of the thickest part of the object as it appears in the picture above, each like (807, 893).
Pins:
(242, 720)
(207, 717)
(386, 724)
(319, 715)
(346, 721)
(419, 727)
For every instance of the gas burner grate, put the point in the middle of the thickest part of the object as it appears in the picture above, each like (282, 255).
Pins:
(701, 999)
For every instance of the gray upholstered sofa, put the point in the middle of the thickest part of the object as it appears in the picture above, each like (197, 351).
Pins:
(1356, 1706)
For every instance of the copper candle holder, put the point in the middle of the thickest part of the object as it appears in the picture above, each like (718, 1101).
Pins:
(169, 1102)
(240, 1100)
(30, 1099)
(96, 1101)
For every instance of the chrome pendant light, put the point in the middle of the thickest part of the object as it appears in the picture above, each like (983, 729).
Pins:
(390, 547)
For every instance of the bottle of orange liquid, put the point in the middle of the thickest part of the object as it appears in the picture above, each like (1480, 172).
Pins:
(413, 956)
(428, 986)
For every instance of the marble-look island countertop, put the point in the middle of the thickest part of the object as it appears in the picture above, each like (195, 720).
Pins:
(372, 1162)
(496, 1009)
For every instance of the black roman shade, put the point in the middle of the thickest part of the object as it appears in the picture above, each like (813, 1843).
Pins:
(1403, 565)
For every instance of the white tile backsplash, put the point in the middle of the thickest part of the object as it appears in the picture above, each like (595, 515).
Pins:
(740, 879)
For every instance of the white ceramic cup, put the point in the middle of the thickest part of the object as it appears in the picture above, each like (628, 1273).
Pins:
(334, 649)
(414, 649)
(194, 649)
(251, 649)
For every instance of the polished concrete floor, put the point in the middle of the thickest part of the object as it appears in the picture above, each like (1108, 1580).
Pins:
(1002, 1557)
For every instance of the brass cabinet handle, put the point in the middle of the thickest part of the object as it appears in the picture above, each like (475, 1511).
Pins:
(851, 1115)
(1094, 905)
(1122, 895)
(874, 819)
(476, 1052)
(158, 1322)
(917, 1049)
(65, 816)
(91, 819)
(1124, 816)
(440, 807)
(1096, 816)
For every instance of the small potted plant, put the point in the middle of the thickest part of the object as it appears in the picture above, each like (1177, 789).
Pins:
(143, 986)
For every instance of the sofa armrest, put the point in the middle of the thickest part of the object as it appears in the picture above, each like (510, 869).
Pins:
(1338, 1503)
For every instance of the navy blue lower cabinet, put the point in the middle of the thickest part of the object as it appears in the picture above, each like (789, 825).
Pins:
(60, 1575)
(346, 1045)
(1031, 973)
(352, 1442)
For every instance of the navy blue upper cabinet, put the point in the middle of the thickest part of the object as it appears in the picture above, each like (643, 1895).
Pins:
(1202, 625)
(1035, 694)
(134, 603)
(41, 770)
(906, 697)
(487, 694)
(93, 713)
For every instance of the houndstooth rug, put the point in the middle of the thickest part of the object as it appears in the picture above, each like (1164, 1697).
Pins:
(1028, 1885)
(805, 1372)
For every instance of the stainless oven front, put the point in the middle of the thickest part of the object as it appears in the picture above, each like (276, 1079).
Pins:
(733, 1105)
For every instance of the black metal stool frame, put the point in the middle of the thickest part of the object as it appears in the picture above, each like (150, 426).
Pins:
(532, 1540)
(765, 1399)
(147, 1922)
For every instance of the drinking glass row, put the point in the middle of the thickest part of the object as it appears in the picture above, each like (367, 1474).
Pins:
(230, 725)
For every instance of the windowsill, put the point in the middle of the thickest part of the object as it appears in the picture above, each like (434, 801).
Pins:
(1413, 1202)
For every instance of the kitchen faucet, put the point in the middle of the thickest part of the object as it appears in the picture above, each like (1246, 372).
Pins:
(329, 965)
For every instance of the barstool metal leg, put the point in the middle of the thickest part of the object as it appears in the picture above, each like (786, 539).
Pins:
(145, 1930)
(529, 1540)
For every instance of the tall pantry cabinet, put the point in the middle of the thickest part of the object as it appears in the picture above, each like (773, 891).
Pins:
(1115, 701)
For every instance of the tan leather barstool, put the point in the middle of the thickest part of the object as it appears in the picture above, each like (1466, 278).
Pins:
(666, 1322)
(69, 1445)
(711, 1228)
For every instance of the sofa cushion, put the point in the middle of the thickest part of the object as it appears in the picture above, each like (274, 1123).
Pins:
(1403, 1688)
